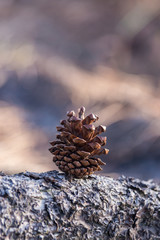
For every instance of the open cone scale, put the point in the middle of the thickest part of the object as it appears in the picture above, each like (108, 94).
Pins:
(77, 144)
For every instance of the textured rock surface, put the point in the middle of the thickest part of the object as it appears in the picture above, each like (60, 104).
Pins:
(49, 206)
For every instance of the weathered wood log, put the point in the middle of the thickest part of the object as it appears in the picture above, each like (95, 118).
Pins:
(51, 206)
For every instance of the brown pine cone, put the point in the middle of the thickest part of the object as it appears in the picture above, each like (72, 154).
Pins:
(77, 144)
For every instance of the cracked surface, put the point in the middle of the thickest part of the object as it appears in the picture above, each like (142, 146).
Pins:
(49, 206)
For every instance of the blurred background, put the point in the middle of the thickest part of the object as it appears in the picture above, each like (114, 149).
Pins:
(56, 56)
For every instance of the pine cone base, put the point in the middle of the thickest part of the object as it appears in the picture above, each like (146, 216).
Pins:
(74, 164)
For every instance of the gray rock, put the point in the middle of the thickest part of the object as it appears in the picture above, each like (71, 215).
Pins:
(52, 206)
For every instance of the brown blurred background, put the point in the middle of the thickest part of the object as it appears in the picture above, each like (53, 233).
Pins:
(59, 55)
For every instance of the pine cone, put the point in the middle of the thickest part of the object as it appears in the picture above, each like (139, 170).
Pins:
(78, 143)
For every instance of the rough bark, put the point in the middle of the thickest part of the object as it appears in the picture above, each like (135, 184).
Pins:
(51, 206)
